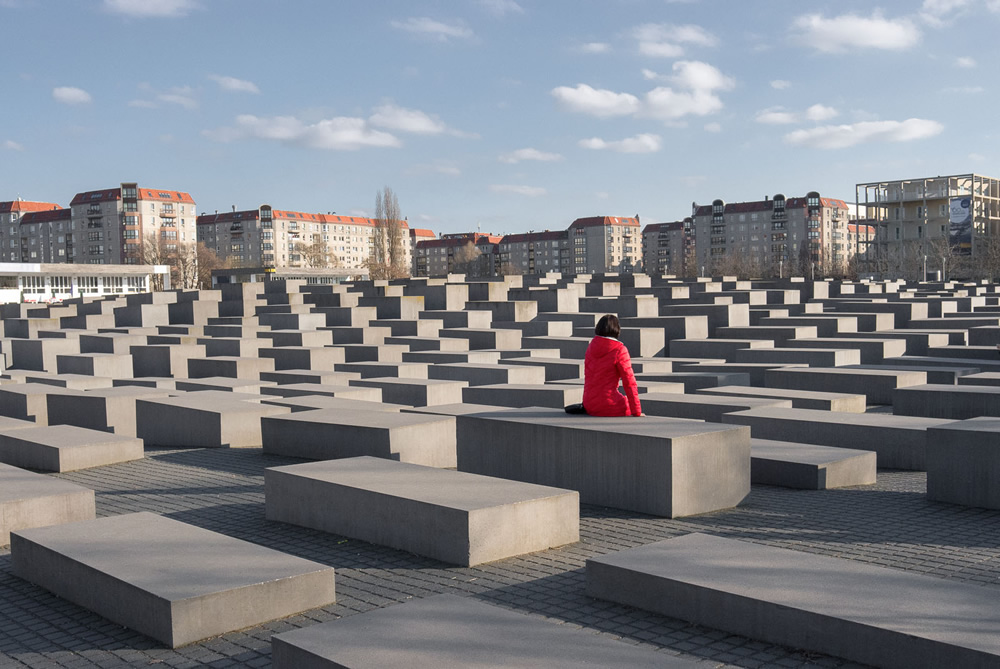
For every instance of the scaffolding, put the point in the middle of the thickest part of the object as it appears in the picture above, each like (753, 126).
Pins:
(908, 220)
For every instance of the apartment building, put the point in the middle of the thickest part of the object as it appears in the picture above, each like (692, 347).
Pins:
(417, 235)
(668, 248)
(960, 211)
(11, 213)
(267, 237)
(466, 252)
(605, 244)
(774, 233)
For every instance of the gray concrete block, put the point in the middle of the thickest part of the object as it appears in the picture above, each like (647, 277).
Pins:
(304, 357)
(30, 500)
(485, 338)
(703, 407)
(324, 390)
(875, 384)
(342, 404)
(108, 365)
(202, 420)
(415, 392)
(801, 399)
(295, 376)
(164, 361)
(963, 462)
(448, 632)
(455, 517)
(847, 608)
(375, 369)
(169, 580)
(899, 441)
(482, 375)
(946, 401)
(809, 466)
(224, 384)
(523, 395)
(105, 409)
(661, 466)
(329, 434)
(229, 366)
(65, 448)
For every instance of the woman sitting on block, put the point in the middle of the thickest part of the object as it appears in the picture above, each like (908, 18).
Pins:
(607, 363)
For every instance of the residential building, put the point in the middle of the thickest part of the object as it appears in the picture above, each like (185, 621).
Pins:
(959, 213)
(417, 235)
(267, 237)
(43, 237)
(604, 244)
(535, 253)
(10, 221)
(465, 252)
(774, 235)
(668, 248)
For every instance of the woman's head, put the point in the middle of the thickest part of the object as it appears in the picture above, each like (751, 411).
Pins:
(608, 326)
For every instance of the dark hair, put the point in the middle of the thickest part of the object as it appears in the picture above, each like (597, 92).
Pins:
(608, 326)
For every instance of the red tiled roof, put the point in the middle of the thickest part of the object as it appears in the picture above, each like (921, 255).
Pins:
(141, 194)
(25, 205)
(46, 216)
(422, 232)
(603, 220)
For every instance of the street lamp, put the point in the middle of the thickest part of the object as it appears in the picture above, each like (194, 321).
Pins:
(924, 276)
(944, 268)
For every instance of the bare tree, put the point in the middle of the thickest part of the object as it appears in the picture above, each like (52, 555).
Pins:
(207, 260)
(388, 256)
(317, 253)
(469, 260)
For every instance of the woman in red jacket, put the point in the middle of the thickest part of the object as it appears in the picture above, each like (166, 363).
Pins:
(607, 362)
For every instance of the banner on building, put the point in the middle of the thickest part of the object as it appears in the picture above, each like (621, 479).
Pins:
(960, 225)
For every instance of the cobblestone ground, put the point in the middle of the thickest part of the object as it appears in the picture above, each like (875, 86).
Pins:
(890, 524)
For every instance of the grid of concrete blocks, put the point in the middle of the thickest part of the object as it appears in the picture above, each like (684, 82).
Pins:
(423, 419)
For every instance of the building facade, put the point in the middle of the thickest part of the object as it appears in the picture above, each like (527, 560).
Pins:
(267, 237)
(669, 248)
(943, 215)
(774, 236)
(473, 253)
(11, 213)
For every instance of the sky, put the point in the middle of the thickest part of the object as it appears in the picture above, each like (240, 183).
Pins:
(496, 115)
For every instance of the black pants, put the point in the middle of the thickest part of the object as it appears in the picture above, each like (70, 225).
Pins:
(576, 408)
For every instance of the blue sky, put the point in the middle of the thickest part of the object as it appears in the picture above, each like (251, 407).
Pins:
(502, 114)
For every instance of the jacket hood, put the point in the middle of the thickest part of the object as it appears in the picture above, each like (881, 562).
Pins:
(604, 347)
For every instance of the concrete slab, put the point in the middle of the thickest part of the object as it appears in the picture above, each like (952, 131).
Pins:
(703, 407)
(801, 399)
(65, 448)
(30, 500)
(524, 395)
(415, 392)
(899, 441)
(661, 466)
(861, 612)
(329, 434)
(445, 631)
(202, 420)
(105, 409)
(169, 580)
(809, 466)
(963, 462)
(324, 390)
(875, 384)
(455, 517)
(484, 375)
(342, 404)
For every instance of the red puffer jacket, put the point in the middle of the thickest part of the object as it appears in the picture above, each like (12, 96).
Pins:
(607, 362)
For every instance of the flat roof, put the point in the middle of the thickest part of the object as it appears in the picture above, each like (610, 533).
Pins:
(79, 269)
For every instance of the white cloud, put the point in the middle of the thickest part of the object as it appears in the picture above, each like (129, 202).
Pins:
(142, 104)
(501, 7)
(965, 61)
(650, 75)
(780, 84)
(776, 116)
(435, 30)
(843, 136)
(150, 8)
(594, 47)
(436, 168)
(597, 102)
(71, 95)
(850, 31)
(11, 145)
(406, 120)
(937, 12)
(964, 90)
(644, 143)
(694, 92)
(528, 191)
(179, 95)
(335, 134)
(713, 127)
(820, 112)
(529, 154)
(665, 40)
(234, 84)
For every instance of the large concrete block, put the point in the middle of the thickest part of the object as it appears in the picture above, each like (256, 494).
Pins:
(847, 608)
(329, 434)
(801, 399)
(415, 392)
(30, 500)
(164, 361)
(808, 466)
(875, 384)
(325, 390)
(229, 366)
(709, 408)
(106, 409)
(523, 395)
(40, 354)
(109, 365)
(482, 375)
(479, 339)
(202, 420)
(65, 448)
(963, 462)
(449, 632)
(304, 357)
(661, 466)
(899, 441)
(464, 519)
(946, 401)
(174, 582)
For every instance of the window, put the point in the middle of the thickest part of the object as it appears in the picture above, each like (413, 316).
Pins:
(168, 234)
(130, 234)
(95, 236)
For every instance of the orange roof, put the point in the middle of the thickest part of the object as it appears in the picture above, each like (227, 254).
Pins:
(287, 215)
(422, 232)
(25, 205)
(141, 193)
